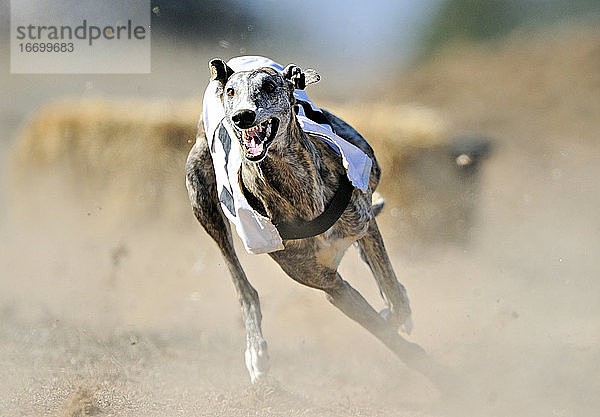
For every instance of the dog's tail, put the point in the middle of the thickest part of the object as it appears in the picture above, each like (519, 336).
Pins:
(377, 203)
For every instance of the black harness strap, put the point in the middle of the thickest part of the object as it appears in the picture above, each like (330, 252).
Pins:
(301, 229)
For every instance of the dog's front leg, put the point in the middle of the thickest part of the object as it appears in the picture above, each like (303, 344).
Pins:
(342, 295)
(372, 248)
(351, 302)
(257, 355)
(201, 184)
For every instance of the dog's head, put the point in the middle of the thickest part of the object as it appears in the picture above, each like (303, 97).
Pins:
(259, 104)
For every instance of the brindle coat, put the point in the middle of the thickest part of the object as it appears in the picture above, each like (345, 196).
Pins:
(295, 180)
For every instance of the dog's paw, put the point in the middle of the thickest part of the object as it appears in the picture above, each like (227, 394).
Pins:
(401, 320)
(257, 361)
(407, 326)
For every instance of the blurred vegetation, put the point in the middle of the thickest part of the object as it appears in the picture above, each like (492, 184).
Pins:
(480, 20)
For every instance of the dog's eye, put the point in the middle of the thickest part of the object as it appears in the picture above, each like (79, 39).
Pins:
(230, 92)
(268, 87)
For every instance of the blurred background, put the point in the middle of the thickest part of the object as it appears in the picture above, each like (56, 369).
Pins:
(485, 118)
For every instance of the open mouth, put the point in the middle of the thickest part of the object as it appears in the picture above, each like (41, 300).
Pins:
(256, 139)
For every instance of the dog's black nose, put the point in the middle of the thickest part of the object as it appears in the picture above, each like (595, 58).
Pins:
(243, 118)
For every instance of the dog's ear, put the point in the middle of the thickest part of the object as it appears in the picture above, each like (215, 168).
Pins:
(219, 70)
(311, 76)
(300, 79)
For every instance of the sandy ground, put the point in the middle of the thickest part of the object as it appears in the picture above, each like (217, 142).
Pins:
(105, 314)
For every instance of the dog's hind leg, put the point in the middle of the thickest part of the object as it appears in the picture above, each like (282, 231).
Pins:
(373, 251)
(201, 184)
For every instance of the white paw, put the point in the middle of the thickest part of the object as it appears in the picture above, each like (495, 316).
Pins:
(257, 361)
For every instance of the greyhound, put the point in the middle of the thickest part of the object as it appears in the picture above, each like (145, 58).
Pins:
(291, 177)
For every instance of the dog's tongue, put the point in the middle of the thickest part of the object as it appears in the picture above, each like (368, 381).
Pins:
(254, 147)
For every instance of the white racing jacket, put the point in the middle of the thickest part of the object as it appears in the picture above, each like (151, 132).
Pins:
(257, 232)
